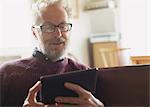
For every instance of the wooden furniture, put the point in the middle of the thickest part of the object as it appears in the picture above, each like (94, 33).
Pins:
(106, 54)
(140, 59)
(111, 57)
(97, 53)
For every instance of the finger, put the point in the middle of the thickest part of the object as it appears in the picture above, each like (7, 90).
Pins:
(69, 100)
(52, 105)
(72, 102)
(78, 102)
(78, 89)
(31, 98)
(34, 105)
(34, 90)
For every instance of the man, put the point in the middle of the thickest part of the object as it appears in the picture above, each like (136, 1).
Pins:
(51, 29)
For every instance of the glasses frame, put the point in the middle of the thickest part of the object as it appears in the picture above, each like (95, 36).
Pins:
(69, 27)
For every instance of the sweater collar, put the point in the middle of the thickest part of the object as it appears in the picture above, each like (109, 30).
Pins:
(38, 54)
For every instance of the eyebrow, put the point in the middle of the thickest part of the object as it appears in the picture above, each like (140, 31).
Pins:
(53, 24)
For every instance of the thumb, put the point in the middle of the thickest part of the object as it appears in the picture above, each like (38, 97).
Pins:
(31, 98)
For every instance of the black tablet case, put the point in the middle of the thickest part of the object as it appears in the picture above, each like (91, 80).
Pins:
(53, 85)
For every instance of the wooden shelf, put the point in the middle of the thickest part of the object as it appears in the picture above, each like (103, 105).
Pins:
(140, 59)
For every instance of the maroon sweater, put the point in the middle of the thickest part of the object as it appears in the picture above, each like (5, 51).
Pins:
(17, 77)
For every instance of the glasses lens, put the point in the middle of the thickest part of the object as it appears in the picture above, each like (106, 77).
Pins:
(65, 27)
(48, 28)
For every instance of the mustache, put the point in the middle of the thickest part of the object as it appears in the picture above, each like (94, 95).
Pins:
(57, 40)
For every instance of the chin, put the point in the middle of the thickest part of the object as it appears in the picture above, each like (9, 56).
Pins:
(56, 54)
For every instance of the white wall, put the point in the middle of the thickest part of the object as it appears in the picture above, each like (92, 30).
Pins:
(148, 25)
(134, 26)
(15, 28)
(79, 38)
(103, 20)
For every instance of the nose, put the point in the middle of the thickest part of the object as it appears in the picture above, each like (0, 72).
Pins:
(58, 32)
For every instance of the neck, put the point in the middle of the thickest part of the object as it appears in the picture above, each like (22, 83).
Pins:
(46, 57)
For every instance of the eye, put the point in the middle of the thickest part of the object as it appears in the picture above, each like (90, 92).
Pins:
(48, 27)
(63, 26)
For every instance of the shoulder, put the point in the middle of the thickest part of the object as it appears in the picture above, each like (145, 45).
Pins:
(77, 64)
(15, 65)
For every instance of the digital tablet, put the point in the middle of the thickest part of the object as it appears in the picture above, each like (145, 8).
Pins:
(53, 85)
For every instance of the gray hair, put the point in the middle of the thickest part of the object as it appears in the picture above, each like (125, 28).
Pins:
(38, 5)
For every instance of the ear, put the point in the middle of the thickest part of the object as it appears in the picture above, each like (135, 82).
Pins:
(34, 31)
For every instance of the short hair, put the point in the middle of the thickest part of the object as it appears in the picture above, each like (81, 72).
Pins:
(38, 5)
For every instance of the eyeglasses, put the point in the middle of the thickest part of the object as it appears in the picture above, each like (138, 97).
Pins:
(49, 28)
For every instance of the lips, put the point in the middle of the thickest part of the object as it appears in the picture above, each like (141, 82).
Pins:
(58, 43)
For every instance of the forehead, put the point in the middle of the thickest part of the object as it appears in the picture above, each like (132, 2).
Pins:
(54, 14)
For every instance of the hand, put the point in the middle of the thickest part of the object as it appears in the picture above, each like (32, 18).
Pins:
(85, 99)
(31, 101)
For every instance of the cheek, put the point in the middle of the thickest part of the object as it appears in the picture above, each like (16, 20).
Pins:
(46, 37)
(66, 35)
(42, 40)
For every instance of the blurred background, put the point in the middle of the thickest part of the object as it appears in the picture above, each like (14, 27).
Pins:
(105, 33)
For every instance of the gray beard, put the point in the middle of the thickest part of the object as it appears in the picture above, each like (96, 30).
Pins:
(54, 55)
